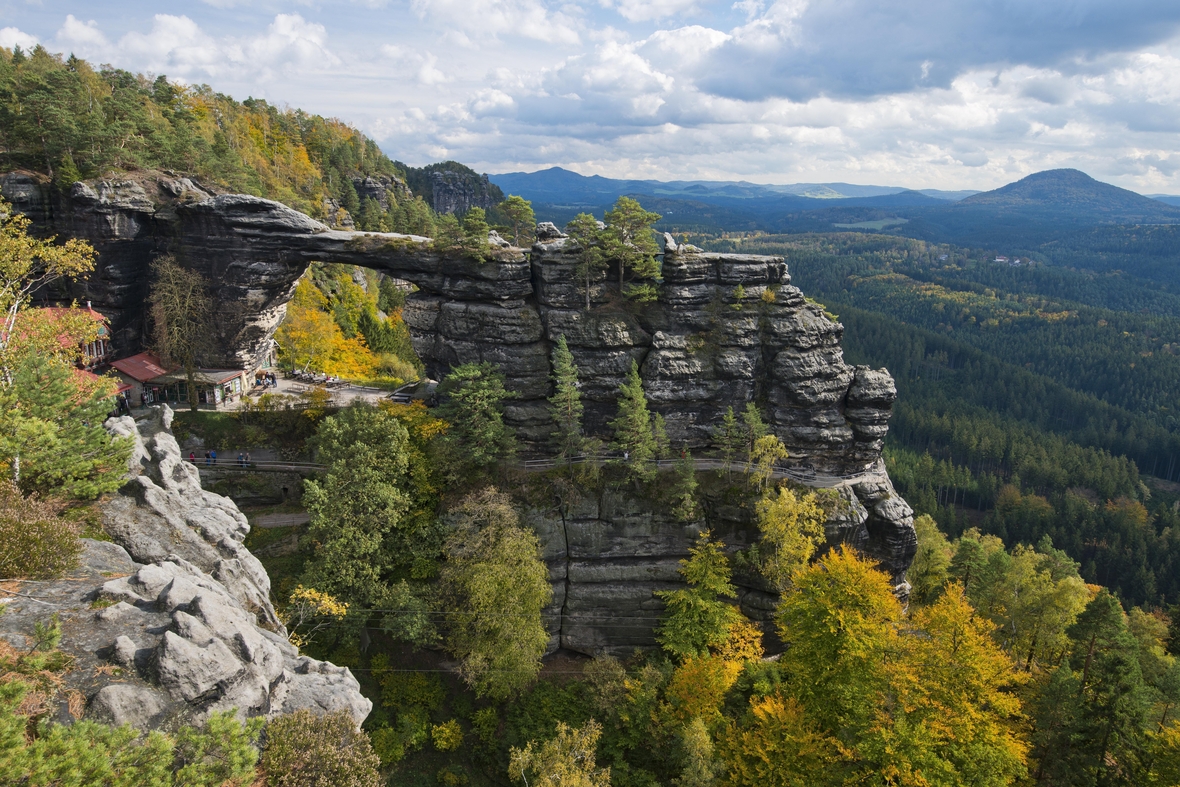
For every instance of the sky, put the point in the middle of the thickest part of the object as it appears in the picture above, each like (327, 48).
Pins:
(950, 94)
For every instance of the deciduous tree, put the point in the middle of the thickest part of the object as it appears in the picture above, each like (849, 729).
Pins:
(495, 586)
(181, 315)
(566, 760)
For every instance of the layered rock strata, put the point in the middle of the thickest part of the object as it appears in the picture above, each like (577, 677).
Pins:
(610, 552)
(726, 330)
(173, 621)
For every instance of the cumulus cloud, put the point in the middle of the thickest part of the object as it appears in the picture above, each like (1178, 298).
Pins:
(12, 37)
(179, 46)
(939, 93)
(803, 48)
(482, 18)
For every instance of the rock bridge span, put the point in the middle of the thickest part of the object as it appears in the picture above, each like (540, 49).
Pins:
(727, 328)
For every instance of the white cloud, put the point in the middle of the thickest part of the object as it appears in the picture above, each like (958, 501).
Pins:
(422, 67)
(644, 10)
(12, 37)
(483, 18)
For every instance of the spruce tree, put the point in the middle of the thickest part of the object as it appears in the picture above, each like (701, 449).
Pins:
(729, 438)
(632, 426)
(566, 402)
(684, 490)
(629, 241)
(659, 434)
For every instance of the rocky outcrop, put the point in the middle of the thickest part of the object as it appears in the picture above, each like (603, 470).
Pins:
(726, 330)
(610, 552)
(173, 620)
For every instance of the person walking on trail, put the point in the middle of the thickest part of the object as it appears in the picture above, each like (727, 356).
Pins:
(213, 453)
(241, 459)
(208, 459)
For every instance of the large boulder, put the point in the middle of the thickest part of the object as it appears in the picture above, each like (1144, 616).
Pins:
(173, 621)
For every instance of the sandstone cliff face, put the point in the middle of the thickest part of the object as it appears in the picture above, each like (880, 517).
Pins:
(727, 329)
(191, 630)
(609, 552)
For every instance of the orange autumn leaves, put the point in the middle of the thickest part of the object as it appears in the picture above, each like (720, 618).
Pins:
(310, 338)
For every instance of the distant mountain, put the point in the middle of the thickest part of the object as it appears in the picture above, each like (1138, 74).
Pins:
(560, 187)
(1170, 199)
(1076, 193)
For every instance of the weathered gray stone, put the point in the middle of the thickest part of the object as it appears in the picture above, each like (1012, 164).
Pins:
(126, 703)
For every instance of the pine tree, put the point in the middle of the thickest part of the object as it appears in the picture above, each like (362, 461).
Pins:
(630, 242)
(566, 402)
(632, 426)
(520, 213)
(583, 232)
(475, 234)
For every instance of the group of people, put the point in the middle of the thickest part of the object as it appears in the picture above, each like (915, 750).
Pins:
(268, 380)
(211, 457)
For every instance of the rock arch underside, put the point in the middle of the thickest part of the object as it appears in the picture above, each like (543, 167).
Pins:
(700, 348)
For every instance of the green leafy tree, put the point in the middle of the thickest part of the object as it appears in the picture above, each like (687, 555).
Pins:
(630, 242)
(495, 586)
(633, 426)
(521, 218)
(181, 313)
(768, 450)
(28, 264)
(361, 531)
(791, 530)
(567, 760)
(473, 404)
(585, 233)
(699, 616)
(930, 571)
(566, 402)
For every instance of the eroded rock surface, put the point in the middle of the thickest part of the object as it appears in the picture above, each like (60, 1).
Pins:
(173, 621)
(609, 554)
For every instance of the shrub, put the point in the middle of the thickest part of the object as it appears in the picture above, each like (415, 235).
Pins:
(447, 736)
(305, 750)
(35, 543)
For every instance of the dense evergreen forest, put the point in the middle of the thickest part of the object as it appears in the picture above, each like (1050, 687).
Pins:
(1034, 399)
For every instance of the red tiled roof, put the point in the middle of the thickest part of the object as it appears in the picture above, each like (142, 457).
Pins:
(142, 367)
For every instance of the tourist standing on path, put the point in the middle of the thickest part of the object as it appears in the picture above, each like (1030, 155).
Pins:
(247, 460)
(192, 457)
(213, 453)
(241, 459)
(208, 459)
